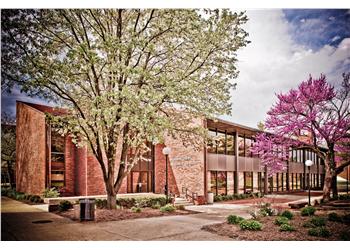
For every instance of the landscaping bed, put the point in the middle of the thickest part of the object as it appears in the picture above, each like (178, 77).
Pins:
(102, 215)
(301, 227)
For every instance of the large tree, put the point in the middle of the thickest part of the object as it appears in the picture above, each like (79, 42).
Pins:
(8, 147)
(127, 76)
(314, 107)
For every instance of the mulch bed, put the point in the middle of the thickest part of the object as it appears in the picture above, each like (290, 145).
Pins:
(102, 215)
(270, 231)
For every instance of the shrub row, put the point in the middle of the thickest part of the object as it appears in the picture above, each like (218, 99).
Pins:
(11, 193)
(154, 202)
(237, 196)
(337, 218)
(308, 211)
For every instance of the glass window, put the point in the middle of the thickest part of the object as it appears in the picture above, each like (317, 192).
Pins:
(211, 145)
(221, 143)
(222, 182)
(241, 146)
(213, 175)
(57, 160)
(248, 145)
(248, 181)
(230, 144)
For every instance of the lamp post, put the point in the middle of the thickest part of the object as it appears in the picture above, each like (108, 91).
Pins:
(166, 151)
(347, 180)
(309, 163)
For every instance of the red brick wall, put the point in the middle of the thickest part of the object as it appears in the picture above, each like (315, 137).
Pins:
(69, 166)
(30, 148)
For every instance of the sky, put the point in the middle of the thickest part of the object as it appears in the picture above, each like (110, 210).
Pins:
(286, 47)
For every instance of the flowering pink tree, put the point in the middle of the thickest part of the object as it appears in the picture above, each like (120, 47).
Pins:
(317, 107)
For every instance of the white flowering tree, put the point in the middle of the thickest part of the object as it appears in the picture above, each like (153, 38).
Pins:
(124, 74)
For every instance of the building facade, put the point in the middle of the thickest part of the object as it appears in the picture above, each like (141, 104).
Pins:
(226, 166)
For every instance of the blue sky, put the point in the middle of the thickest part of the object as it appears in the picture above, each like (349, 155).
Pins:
(286, 46)
(315, 28)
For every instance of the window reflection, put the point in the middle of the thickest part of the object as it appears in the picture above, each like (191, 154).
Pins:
(221, 138)
(218, 181)
(230, 144)
(241, 146)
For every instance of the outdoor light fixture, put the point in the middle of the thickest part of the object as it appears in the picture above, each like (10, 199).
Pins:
(309, 163)
(166, 151)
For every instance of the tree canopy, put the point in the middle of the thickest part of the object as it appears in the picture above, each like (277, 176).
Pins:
(317, 108)
(125, 74)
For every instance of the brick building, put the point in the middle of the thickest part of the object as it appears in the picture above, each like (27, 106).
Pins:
(46, 159)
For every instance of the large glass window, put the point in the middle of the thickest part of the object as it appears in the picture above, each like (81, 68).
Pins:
(248, 145)
(218, 181)
(211, 146)
(57, 160)
(230, 144)
(241, 146)
(221, 143)
(248, 182)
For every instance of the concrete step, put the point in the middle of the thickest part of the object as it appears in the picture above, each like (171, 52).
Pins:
(182, 201)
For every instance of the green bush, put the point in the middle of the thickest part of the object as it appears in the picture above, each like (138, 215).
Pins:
(344, 197)
(345, 235)
(234, 219)
(51, 193)
(141, 202)
(308, 211)
(36, 199)
(319, 231)
(318, 221)
(64, 206)
(251, 225)
(281, 220)
(156, 206)
(334, 217)
(346, 218)
(180, 207)
(167, 208)
(19, 196)
(101, 203)
(136, 209)
(286, 228)
(222, 197)
(308, 224)
(266, 210)
(288, 214)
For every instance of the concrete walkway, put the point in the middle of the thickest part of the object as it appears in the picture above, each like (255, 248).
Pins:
(17, 224)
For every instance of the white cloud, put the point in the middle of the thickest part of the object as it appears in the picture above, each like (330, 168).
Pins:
(274, 63)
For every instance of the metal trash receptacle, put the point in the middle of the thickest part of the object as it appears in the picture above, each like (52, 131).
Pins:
(87, 209)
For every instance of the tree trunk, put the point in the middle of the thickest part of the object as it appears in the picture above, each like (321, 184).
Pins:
(334, 185)
(327, 183)
(111, 194)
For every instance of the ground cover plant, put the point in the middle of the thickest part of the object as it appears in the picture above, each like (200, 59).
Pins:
(318, 228)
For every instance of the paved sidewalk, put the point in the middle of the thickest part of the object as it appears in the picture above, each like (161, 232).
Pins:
(17, 224)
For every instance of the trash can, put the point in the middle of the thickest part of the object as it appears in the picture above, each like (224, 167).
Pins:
(210, 198)
(87, 209)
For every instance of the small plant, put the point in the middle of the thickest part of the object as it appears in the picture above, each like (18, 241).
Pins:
(64, 206)
(308, 224)
(308, 211)
(286, 228)
(334, 217)
(234, 219)
(51, 193)
(318, 221)
(101, 203)
(288, 214)
(266, 210)
(344, 235)
(35, 199)
(346, 218)
(281, 220)
(180, 207)
(156, 206)
(319, 231)
(167, 208)
(251, 225)
(136, 209)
